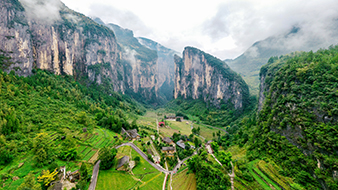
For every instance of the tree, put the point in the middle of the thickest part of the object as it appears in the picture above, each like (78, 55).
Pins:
(69, 154)
(225, 158)
(194, 163)
(214, 146)
(83, 171)
(107, 155)
(197, 142)
(137, 160)
(10, 122)
(82, 118)
(5, 156)
(47, 177)
(29, 183)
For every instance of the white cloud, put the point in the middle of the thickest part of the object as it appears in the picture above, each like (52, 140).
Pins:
(223, 28)
(44, 10)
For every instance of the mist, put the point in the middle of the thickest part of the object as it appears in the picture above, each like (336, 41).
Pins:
(43, 10)
(248, 22)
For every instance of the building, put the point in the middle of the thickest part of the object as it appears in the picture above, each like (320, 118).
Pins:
(176, 118)
(122, 163)
(161, 124)
(131, 134)
(63, 171)
(170, 117)
(181, 144)
(169, 150)
(179, 118)
(168, 141)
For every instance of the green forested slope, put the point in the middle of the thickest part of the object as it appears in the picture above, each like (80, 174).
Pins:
(36, 111)
(297, 126)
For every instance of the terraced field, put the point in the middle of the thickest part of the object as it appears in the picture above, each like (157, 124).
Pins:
(184, 181)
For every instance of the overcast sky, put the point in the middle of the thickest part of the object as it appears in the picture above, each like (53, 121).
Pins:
(224, 28)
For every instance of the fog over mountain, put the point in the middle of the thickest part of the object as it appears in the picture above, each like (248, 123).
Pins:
(225, 29)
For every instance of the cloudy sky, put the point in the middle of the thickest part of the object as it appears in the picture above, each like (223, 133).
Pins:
(224, 28)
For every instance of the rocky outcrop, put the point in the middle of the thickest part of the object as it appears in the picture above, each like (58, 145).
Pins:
(55, 38)
(200, 75)
(165, 66)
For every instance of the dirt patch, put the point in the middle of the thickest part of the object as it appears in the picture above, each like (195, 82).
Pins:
(68, 185)
(21, 164)
(94, 157)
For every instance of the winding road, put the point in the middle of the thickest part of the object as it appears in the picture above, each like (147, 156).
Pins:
(159, 168)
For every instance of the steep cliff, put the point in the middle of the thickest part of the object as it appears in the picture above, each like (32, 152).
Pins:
(200, 75)
(47, 35)
(165, 66)
(298, 115)
(143, 62)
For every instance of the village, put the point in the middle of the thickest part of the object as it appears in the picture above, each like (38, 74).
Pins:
(158, 149)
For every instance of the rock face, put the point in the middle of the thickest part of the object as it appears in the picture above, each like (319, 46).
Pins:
(165, 66)
(65, 42)
(200, 75)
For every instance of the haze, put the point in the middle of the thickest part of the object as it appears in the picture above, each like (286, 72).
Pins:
(223, 28)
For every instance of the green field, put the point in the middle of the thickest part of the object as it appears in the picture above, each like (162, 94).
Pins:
(184, 181)
(185, 129)
(112, 179)
(151, 179)
(260, 177)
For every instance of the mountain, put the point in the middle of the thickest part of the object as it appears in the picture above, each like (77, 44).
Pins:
(297, 39)
(165, 66)
(47, 35)
(142, 49)
(199, 75)
(298, 117)
(143, 62)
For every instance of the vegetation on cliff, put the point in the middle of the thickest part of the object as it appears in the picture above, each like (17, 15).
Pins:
(297, 126)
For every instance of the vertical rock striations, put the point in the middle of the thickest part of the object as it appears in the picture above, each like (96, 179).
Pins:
(142, 63)
(200, 75)
(165, 66)
(47, 35)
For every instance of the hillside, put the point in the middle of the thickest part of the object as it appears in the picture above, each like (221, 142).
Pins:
(297, 124)
(249, 63)
(66, 42)
(48, 120)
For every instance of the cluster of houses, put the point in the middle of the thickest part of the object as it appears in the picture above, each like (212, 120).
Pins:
(131, 134)
(170, 150)
(175, 118)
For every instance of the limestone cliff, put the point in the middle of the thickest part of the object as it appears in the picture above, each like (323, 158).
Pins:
(47, 35)
(200, 75)
(142, 61)
(165, 66)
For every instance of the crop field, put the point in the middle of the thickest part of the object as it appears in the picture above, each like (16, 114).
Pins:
(262, 179)
(272, 173)
(89, 155)
(184, 181)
